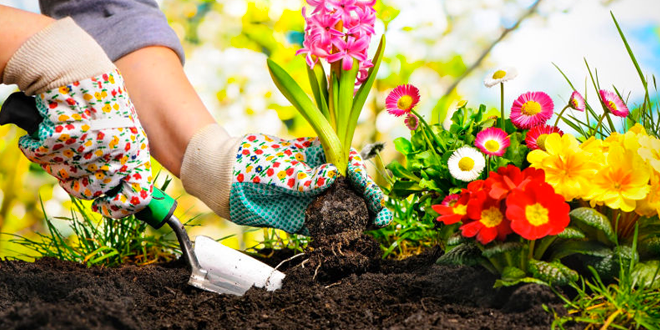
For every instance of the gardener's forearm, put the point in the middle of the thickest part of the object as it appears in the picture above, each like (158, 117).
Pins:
(17, 27)
(168, 106)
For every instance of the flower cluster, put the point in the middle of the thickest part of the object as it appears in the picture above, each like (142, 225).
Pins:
(621, 172)
(339, 30)
(510, 200)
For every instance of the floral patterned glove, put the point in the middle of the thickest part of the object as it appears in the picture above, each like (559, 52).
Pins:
(91, 140)
(274, 181)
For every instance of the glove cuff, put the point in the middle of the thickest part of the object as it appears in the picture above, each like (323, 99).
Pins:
(59, 54)
(206, 171)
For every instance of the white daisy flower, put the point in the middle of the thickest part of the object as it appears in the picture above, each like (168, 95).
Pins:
(500, 76)
(466, 163)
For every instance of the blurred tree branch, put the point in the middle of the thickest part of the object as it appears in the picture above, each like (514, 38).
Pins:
(532, 9)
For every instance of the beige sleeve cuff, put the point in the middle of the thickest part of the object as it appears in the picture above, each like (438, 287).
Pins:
(56, 56)
(206, 172)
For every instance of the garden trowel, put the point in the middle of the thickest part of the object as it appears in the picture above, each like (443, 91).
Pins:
(215, 267)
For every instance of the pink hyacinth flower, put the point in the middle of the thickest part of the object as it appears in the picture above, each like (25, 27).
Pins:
(492, 141)
(536, 136)
(531, 109)
(614, 103)
(402, 100)
(348, 50)
(577, 102)
(343, 7)
(411, 121)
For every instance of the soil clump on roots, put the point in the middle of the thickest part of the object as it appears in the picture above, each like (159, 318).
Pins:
(336, 221)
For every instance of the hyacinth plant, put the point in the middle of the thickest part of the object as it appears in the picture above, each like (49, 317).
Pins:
(517, 195)
(337, 35)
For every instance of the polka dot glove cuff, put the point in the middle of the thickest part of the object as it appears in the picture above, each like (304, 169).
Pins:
(91, 140)
(274, 180)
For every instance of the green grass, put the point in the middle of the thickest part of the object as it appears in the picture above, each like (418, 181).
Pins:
(631, 302)
(101, 241)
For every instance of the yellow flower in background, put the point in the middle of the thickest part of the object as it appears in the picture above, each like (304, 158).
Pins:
(567, 168)
(622, 182)
(650, 151)
(596, 148)
(650, 206)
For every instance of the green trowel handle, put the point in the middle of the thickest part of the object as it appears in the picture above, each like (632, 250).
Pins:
(159, 209)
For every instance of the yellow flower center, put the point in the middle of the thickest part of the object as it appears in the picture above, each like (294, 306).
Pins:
(540, 141)
(530, 108)
(492, 145)
(460, 209)
(611, 105)
(466, 164)
(574, 104)
(499, 74)
(536, 214)
(491, 217)
(404, 102)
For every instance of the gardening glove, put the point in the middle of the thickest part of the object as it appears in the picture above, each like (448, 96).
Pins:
(264, 181)
(90, 138)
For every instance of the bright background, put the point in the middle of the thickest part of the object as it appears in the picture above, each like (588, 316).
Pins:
(430, 43)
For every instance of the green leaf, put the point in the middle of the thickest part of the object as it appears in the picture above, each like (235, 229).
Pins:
(552, 272)
(363, 92)
(401, 172)
(571, 233)
(345, 106)
(513, 275)
(517, 151)
(590, 248)
(464, 254)
(403, 189)
(647, 274)
(594, 224)
(502, 248)
(403, 146)
(651, 244)
(609, 266)
(319, 84)
(292, 91)
(456, 239)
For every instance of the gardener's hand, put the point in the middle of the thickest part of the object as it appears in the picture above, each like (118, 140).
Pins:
(274, 180)
(90, 138)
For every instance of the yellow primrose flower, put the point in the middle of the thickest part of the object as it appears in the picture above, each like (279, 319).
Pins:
(567, 168)
(650, 151)
(650, 206)
(638, 129)
(622, 182)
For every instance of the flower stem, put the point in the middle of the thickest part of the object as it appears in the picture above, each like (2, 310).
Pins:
(559, 116)
(426, 125)
(600, 121)
(502, 105)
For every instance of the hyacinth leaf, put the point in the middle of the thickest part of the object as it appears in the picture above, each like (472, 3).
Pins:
(292, 91)
(319, 86)
(513, 275)
(363, 92)
(498, 249)
(401, 172)
(590, 248)
(594, 224)
(647, 274)
(571, 233)
(464, 254)
(343, 110)
(553, 273)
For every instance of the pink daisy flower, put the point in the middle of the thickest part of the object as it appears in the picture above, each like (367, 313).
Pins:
(577, 101)
(402, 100)
(531, 109)
(492, 141)
(411, 121)
(613, 103)
(536, 136)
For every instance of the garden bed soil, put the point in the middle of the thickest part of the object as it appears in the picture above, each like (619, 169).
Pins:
(414, 293)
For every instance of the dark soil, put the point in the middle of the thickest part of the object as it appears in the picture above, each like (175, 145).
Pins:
(409, 294)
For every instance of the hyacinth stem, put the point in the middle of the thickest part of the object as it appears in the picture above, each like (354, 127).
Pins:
(426, 125)
(560, 113)
(502, 105)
